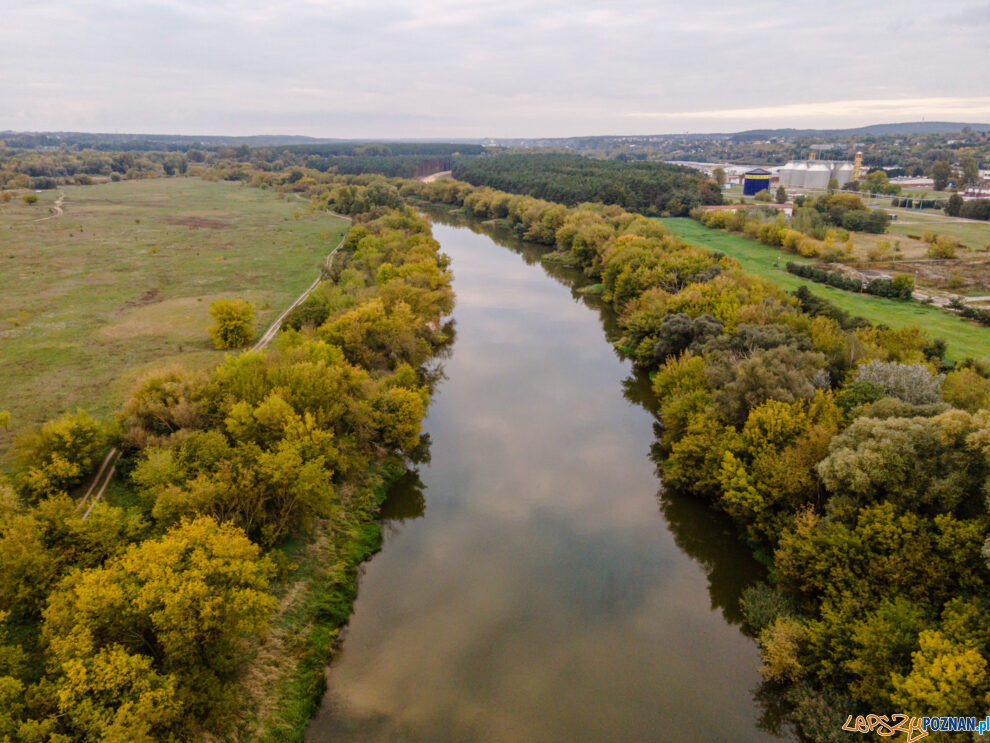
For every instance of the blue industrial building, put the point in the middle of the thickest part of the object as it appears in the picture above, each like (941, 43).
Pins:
(755, 181)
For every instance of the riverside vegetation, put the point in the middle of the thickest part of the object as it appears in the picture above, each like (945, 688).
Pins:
(853, 459)
(206, 602)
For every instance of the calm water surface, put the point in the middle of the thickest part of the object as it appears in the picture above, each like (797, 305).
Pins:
(534, 584)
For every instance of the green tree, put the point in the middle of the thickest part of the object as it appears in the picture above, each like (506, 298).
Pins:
(941, 173)
(234, 323)
(719, 175)
(954, 206)
(970, 171)
(781, 195)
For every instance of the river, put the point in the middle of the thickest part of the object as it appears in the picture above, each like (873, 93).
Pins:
(535, 583)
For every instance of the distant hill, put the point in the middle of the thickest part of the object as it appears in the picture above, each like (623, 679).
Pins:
(908, 127)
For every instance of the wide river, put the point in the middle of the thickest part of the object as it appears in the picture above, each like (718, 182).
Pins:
(535, 583)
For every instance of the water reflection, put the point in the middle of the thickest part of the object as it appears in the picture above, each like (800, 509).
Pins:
(543, 599)
(405, 500)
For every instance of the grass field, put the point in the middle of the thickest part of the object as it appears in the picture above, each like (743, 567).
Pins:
(964, 339)
(974, 235)
(122, 283)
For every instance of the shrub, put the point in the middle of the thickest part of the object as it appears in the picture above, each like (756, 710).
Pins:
(30, 198)
(942, 248)
(911, 383)
(234, 323)
(874, 221)
(59, 455)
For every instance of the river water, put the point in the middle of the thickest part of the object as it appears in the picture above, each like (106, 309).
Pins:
(535, 583)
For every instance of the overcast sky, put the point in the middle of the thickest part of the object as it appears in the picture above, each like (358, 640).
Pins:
(499, 68)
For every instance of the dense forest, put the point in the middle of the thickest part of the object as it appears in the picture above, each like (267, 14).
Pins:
(852, 457)
(139, 620)
(649, 188)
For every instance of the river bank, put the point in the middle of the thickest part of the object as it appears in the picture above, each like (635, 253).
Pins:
(555, 591)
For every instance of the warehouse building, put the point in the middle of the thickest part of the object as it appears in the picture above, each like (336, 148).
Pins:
(756, 180)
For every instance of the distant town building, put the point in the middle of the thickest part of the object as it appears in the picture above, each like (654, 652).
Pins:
(756, 180)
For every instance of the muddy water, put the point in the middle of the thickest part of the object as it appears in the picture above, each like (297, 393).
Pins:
(535, 583)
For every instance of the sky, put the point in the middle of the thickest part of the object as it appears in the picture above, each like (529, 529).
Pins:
(460, 68)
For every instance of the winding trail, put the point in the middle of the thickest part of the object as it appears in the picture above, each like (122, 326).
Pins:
(59, 211)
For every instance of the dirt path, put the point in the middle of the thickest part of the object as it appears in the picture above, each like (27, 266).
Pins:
(59, 211)
(99, 482)
(435, 176)
(276, 326)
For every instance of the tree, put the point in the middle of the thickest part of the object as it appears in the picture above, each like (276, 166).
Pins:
(781, 196)
(234, 326)
(719, 175)
(970, 171)
(954, 205)
(912, 383)
(784, 373)
(946, 678)
(966, 389)
(876, 182)
(922, 465)
(59, 455)
(941, 172)
(763, 196)
(833, 185)
(154, 637)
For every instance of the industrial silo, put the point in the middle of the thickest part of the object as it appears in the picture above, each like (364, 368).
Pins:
(843, 173)
(818, 175)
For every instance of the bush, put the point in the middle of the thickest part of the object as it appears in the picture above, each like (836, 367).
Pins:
(942, 248)
(763, 197)
(975, 209)
(874, 221)
(30, 198)
(59, 455)
(912, 383)
(234, 323)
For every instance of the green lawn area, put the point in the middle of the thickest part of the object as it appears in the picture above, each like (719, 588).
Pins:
(964, 339)
(974, 235)
(122, 283)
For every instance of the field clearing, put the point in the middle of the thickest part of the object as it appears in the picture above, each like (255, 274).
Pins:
(122, 283)
(964, 339)
(974, 235)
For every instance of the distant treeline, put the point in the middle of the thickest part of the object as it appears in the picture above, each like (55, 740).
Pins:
(393, 159)
(392, 166)
(386, 149)
(648, 188)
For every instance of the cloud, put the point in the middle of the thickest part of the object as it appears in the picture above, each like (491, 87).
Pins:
(441, 68)
(907, 108)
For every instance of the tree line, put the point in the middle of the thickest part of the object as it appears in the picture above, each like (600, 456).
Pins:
(649, 188)
(135, 618)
